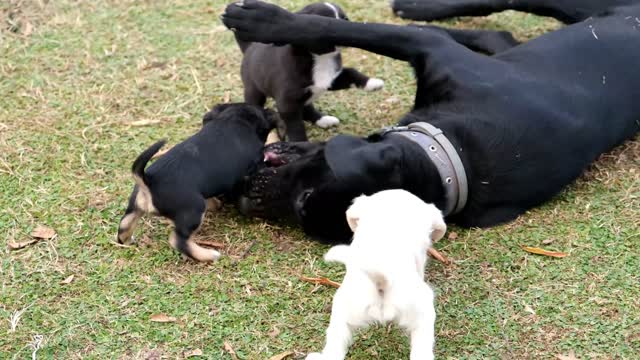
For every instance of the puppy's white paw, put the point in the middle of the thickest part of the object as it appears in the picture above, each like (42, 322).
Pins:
(374, 84)
(328, 121)
(316, 356)
(215, 255)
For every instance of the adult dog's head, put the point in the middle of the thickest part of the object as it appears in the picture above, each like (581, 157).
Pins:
(314, 183)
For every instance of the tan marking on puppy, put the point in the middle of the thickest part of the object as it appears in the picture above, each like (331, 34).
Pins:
(127, 226)
(273, 137)
(143, 198)
(197, 252)
(213, 204)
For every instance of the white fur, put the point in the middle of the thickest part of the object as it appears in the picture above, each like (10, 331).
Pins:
(325, 70)
(335, 11)
(374, 84)
(327, 121)
(393, 230)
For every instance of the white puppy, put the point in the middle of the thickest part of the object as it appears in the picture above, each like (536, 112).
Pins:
(393, 229)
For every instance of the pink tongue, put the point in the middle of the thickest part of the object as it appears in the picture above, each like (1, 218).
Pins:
(272, 158)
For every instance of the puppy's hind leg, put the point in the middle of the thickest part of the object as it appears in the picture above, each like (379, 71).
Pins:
(422, 327)
(186, 223)
(339, 334)
(129, 220)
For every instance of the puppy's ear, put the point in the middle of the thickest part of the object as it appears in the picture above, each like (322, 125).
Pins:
(354, 212)
(214, 112)
(438, 226)
(367, 163)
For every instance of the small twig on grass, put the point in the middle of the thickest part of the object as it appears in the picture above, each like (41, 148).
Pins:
(438, 256)
(320, 281)
(245, 253)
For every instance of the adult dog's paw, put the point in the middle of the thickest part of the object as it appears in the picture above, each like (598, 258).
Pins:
(258, 21)
(374, 84)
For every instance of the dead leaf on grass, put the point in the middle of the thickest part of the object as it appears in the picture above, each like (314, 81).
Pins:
(570, 356)
(227, 97)
(547, 241)
(145, 122)
(19, 245)
(275, 332)
(68, 280)
(438, 256)
(282, 356)
(529, 309)
(162, 318)
(212, 244)
(43, 232)
(228, 348)
(539, 251)
(28, 29)
(452, 235)
(320, 281)
(192, 353)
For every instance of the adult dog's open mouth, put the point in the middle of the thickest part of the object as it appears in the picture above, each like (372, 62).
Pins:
(269, 191)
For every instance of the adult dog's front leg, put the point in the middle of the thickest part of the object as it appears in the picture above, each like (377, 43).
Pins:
(485, 41)
(567, 11)
(429, 10)
(351, 77)
(267, 23)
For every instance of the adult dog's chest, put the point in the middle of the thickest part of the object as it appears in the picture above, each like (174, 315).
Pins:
(325, 68)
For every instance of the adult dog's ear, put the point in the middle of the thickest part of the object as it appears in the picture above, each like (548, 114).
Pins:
(438, 226)
(354, 212)
(355, 159)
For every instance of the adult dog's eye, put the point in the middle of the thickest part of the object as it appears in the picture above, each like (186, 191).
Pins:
(302, 199)
(305, 195)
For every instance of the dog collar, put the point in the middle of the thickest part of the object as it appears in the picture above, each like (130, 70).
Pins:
(443, 155)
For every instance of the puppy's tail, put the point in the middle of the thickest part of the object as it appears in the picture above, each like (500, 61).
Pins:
(380, 281)
(137, 169)
(343, 254)
(242, 44)
(338, 253)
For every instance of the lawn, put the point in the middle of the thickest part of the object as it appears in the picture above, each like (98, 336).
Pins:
(85, 86)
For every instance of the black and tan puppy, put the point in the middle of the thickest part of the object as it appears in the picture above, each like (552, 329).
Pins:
(294, 76)
(182, 183)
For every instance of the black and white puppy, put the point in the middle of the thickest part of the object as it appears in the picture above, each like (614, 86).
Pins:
(184, 182)
(294, 76)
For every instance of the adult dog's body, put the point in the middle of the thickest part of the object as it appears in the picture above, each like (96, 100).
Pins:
(525, 122)
(567, 11)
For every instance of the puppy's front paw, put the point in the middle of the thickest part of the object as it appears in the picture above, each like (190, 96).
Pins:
(374, 84)
(316, 356)
(327, 121)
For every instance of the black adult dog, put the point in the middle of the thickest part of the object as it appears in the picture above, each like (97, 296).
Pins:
(525, 122)
(567, 11)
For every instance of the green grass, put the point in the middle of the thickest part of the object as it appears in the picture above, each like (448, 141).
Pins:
(74, 76)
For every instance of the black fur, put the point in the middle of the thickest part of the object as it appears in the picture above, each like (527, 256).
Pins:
(526, 122)
(286, 72)
(211, 163)
(567, 11)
